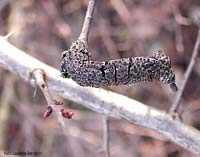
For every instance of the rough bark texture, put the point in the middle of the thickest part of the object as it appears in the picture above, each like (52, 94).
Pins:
(77, 64)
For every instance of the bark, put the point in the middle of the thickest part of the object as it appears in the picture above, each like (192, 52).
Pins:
(101, 100)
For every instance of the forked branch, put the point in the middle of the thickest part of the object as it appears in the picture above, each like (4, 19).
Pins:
(101, 100)
(53, 105)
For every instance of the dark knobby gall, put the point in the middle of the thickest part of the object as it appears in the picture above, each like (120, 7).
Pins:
(78, 65)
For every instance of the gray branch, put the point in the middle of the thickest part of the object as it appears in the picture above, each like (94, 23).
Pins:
(87, 21)
(106, 135)
(101, 100)
(186, 76)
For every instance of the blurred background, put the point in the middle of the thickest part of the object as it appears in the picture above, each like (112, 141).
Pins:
(120, 28)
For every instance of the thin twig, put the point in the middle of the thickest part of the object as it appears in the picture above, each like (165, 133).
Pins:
(178, 33)
(179, 38)
(39, 76)
(7, 96)
(176, 103)
(180, 19)
(3, 3)
(106, 135)
(101, 100)
(87, 22)
(9, 35)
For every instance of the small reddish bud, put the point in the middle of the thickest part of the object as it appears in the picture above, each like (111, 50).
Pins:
(48, 112)
(43, 85)
(58, 102)
(61, 103)
(66, 114)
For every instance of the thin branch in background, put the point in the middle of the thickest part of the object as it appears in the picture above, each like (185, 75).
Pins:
(9, 35)
(179, 20)
(184, 110)
(179, 38)
(5, 109)
(87, 22)
(61, 27)
(106, 135)
(177, 101)
(106, 35)
(3, 3)
(53, 105)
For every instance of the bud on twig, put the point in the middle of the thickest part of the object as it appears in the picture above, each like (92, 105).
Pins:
(66, 114)
(48, 112)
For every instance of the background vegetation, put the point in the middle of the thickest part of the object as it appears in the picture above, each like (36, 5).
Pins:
(128, 28)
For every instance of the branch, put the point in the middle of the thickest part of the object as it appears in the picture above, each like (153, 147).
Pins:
(176, 103)
(53, 105)
(106, 135)
(101, 100)
(88, 18)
